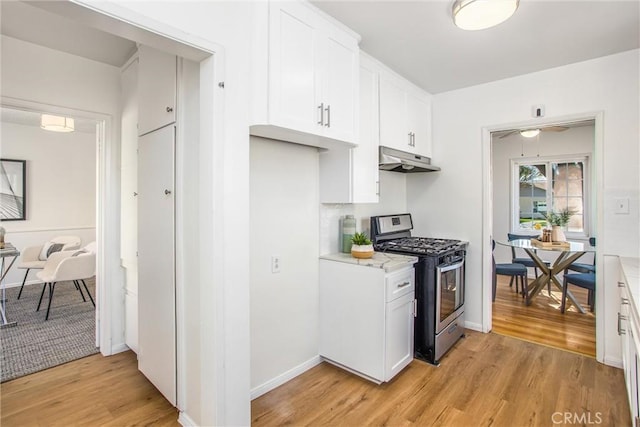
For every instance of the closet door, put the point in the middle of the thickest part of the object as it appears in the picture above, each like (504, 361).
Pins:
(156, 265)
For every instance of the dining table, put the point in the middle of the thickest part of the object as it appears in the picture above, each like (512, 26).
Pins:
(568, 253)
(7, 253)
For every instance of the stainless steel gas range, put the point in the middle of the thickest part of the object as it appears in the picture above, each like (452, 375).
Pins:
(440, 282)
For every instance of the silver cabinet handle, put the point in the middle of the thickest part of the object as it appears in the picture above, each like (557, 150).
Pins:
(620, 319)
(620, 284)
(409, 139)
(169, 109)
(624, 301)
(167, 192)
(415, 308)
(413, 140)
(321, 108)
(328, 110)
(402, 285)
(377, 188)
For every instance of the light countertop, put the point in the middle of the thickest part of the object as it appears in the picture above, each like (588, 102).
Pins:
(631, 271)
(386, 261)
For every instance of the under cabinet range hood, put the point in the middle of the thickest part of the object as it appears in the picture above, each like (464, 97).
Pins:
(394, 160)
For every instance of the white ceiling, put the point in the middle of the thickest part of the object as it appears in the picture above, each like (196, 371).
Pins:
(419, 40)
(33, 24)
(415, 38)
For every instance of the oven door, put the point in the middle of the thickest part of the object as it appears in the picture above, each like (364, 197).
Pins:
(449, 292)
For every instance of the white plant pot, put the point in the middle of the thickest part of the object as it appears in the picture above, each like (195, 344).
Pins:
(557, 235)
(362, 251)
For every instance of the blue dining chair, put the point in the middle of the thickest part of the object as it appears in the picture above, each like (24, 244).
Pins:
(583, 267)
(514, 270)
(583, 280)
(526, 261)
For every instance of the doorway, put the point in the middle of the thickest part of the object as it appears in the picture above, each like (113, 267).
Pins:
(519, 205)
(193, 194)
(59, 205)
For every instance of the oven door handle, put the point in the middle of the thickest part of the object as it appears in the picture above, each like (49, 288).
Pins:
(450, 267)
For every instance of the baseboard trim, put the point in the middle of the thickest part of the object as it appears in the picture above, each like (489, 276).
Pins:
(119, 348)
(284, 377)
(613, 361)
(185, 420)
(473, 326)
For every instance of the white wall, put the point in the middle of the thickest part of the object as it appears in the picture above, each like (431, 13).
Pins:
(284, 222)
(61, 186)
(577, 140)
(451, 205)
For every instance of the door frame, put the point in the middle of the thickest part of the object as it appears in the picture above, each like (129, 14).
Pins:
(597, 196)
(216, 393)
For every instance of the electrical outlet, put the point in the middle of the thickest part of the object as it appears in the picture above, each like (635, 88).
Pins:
(275, 264)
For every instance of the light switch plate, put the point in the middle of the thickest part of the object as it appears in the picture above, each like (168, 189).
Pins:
(622, 205)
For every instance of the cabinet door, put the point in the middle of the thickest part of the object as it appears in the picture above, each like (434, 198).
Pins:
(156, 265)
(340, 92)
(365, 156)
(393, 117)
(419, 118)
(294, 85)
(157, 88)
(398, 335)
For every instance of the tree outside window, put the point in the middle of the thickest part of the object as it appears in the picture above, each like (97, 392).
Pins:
(550, 185)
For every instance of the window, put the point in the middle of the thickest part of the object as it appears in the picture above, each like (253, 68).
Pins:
(551, 185)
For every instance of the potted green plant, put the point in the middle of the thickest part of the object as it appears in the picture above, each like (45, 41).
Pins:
(361, 246)
(557, 220)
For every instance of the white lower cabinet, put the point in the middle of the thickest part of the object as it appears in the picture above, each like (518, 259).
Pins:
(629, 331)
(366, 318)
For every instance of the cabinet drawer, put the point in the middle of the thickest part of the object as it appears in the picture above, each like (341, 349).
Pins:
(399, 284)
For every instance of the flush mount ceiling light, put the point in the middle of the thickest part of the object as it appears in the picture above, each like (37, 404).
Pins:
(56, 123)
(530, 133)
(481, 14)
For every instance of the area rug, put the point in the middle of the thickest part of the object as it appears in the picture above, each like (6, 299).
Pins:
(35, 344)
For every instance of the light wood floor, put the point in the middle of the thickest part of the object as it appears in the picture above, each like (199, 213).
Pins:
(485, 380)
(94, 391)
(542, 322)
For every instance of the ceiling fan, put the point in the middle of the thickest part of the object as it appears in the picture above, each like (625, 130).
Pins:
(533, 132)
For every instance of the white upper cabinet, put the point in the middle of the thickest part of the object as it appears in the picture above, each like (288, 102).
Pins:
(157, 88)
(351, 175)
(405, 115)
(419, 121)
(310, 92)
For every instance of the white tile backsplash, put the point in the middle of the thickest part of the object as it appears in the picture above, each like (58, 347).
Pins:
(393, 200)
(330, 215)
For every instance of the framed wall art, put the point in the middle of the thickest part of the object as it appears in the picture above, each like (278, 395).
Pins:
(13, 190)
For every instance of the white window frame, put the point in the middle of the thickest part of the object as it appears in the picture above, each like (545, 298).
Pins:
(515, 191)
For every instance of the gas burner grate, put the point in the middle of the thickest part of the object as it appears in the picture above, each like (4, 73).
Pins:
(419, 245)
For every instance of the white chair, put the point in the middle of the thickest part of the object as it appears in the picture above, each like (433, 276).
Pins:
(31, 259)
(73, 266)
